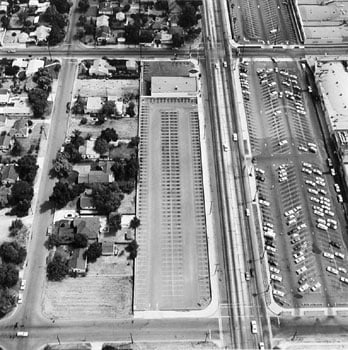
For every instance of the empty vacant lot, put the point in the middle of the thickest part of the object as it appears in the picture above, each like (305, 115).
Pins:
(106, 292)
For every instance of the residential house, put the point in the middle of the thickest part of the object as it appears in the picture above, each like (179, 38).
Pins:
(106, 8)
(41, 33)
(6, 142)
(20, 128)
(109, 248)
(24, 37)
(118, 104)
(96, 176)
(4, 96)
(9, 174)
(131, 65)
(165, 38)
(20, 62)
(34, 65)
(5, 192)
(94, 104)
(86, 206)
(99, 68)
(88, 226)
(64, 231)
(77, 263)
(3, 6)
(33, 3)
(43, 6)
(102, 21)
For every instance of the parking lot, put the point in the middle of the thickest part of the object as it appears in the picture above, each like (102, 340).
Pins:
(171, 271)
(267, 21)
(297, 187)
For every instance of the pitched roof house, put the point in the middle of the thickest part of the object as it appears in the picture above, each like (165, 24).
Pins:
(88, 226)
(4, 96)
(77, 262)
(20, 128)
(9, 174)
(5, 142)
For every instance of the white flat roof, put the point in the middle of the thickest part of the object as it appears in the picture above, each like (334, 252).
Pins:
(173, 86)
(333, 80)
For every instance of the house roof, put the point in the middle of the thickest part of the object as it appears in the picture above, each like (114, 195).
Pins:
(4, 193)
(23, 37)
(82, 169)
(86, 202)
(94, 103)
(20, 62)
(99, 67)
(95, 176)
(77, 260)
(3, 91)
(20, 126)
(88, 226)
(107, 247)
(5, 140)
(34, 65)
(41, 33)
(8, 172)
(102, 20)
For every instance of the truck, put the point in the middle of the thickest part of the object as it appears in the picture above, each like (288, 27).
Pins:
(22, 334)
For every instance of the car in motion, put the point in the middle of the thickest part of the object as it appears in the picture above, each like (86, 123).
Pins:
(253, 327)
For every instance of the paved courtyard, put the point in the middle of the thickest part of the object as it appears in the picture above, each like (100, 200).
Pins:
(171, 271)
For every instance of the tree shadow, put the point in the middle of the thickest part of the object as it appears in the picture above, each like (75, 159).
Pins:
(47, 205)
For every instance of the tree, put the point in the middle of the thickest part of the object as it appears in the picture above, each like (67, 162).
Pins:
(20, 191)
(8, 275)
(27, 168)
(61, 165)
(126, 8)
(118, 169)
(161, 5)
(52, 241)
(83, 5)
(5, 21)
(54, 17)
(22, 16)
(57, 269)
(72, 153)
(12, 252)
(82, 20)
(106, 197)
(80, 241)
(146, 36)
(135, 222)
(16, 226)
(7, 301)
(38, 100)
(93, 252)
(132, 34)
(76, 139)
(11, 70)
(17, 149)
(21, 208)
(131, 168)
(132, 249)
(187, 17)
(80, 33)
(61, 195)
(109, 134)
(108, 108)
(178, 40)
(130, 109)
(115, 221)
(134, 142)
(101, 146)
(62, 6)
(57, 34)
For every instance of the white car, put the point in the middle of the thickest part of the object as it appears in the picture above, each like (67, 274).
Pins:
(315, 287)
(23, 284)
(303, 288)
(333, 171)
(328, 255)
(340, 198)
(342, 269)
(253, 327)
(225, 148)
(278, 292)
(332, 270)
(283, 142)
(276, 277)
(344, 279)
(339, 255)
(301, 270)
(20, 298)
(274, 269)
(337, 188)
(300, 259)
(298, 255)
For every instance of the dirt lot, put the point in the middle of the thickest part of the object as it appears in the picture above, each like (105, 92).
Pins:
(128, 204)
(125, 127)
(105, 293)
(104, 87)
